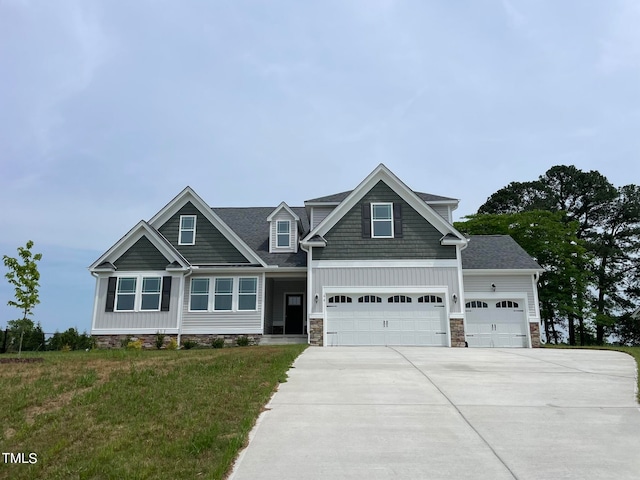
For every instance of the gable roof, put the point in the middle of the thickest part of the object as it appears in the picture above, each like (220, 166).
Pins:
(105, 262)
(189, 195)
(283, 206)
(251, 225)
(496, 252)
(382, 173)
(336, 198)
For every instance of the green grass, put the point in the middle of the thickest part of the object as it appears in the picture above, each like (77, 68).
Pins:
(633, 351)
(136, 415)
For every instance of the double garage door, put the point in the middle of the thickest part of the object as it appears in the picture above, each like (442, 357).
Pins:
(496, 323)
(357, 319)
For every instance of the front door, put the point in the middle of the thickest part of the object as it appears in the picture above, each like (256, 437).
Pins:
(293, 314)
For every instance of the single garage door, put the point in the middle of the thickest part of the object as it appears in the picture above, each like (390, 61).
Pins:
(496, 323)
(357, 319)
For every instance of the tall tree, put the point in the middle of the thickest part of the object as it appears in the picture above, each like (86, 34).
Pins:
(607, 221)
(23, 274)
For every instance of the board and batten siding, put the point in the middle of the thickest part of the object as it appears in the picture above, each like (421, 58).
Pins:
(385, 277)
(211, 246)
(420, 239)
(153, 321)
(283, 215)
(508, 284)
(318, 214)
(234, 322)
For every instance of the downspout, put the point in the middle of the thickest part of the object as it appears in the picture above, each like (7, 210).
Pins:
(95, 299)
(181, 309)
(309, 290)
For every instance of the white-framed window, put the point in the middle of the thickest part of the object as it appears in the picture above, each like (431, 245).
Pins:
(382, 220)
(187, 234)
(199, 300)
(283, 234)
(151, 289)
(138, 293)
(223, 294)
(126, 294)
(247, 293)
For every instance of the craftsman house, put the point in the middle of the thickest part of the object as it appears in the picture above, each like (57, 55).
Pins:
(381, 264)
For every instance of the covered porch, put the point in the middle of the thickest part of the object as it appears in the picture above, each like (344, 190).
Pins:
(285, 307)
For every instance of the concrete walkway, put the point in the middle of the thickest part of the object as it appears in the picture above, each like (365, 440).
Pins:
(446, 413)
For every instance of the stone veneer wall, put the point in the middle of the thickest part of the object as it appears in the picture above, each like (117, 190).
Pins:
(534, 329)
(457, 332)
(149, 341)
(315, 331)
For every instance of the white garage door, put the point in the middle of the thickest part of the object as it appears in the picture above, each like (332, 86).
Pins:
(496, 323)
(357, 319)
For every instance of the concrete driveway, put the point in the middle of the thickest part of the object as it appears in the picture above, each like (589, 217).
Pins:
(447, 413)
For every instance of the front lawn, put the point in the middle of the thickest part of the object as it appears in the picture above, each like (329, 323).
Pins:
(135, 414)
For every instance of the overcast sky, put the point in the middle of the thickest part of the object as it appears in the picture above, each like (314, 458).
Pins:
(108, 109)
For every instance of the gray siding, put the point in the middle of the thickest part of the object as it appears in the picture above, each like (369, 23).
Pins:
(137, 320)
(280, 287)
(504, 284)
(385, 277)
(420, 240)
(142, 256)
(211, 247)
(442, 210)
(319, 214)
(222, 322)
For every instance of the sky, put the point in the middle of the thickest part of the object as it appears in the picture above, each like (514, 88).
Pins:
(108, 109)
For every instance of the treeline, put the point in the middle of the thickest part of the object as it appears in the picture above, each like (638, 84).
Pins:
(34, 339)
(585, 233)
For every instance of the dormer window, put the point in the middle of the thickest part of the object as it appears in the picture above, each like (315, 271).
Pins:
(283, 234)
(382, 220)
(187, 234)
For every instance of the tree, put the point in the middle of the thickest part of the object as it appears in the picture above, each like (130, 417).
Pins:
(553, 244)
(23, 274)
(608, 229)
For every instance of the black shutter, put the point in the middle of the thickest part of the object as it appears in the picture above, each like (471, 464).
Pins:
(166, 294)
(397, 220)
(366, 220)
(111, 294)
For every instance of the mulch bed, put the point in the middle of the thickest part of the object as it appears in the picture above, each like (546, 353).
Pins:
(22, 360)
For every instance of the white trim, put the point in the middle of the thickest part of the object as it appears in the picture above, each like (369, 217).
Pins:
(189, 195)
(497, 271)
(180, 229)
(98, 277)
(141, 229)
(390, 219)
(409, 196)
(262, 300)
(288, 234)
(132, 331)
(235, 294)
(286, 207)
(137, 301)
(449, 263)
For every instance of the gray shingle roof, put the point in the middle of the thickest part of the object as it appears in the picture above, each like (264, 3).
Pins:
(250, 224)
(339, 197)
(496, 252)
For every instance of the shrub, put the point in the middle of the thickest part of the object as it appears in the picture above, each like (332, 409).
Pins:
(124, 343)
(172, 345)
(159, 340)
(134, 345)
(243, 341)
(189, 344)
(217, 342)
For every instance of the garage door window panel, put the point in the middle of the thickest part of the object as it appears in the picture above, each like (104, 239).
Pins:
(399, 299)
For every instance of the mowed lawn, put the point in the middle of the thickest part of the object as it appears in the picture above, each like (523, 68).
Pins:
(135, 414)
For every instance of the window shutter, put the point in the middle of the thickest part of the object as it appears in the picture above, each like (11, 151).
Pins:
(166, 294)
(111, 294)
(397, 220)
(366, 220)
